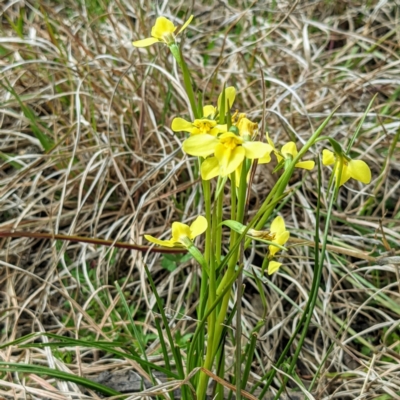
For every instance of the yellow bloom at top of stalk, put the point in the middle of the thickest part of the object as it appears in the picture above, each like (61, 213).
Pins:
(162, 31)
(289, 151)
(182, 234)
(356, 169)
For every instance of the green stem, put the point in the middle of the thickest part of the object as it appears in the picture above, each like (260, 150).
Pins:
(240, 217)
(187, 80)
(218, 233)
(207, 250)
(202, 387)
(237, 212)
(207, 206)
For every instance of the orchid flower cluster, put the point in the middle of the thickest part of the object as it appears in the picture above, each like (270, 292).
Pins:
(229, 146)
(222, 152)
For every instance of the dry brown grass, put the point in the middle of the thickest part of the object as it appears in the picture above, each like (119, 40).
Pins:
(115, 171)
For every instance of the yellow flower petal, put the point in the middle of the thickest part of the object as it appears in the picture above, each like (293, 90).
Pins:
(209, 168)
(270, 142)
(200, 145)
(205, 125)
(180, 124)
(209, 111)
(282, 237)
(289, 150)
(273, 249)
(344, 176)
(256, 149)
(278, 225)
(229, 159)
(359, 170)
(328, 158)
(230, 94)
(179, 232)
(266, 158)
(162, 27)
(198, 226)
(186, 24)
(165, 243)
(218, 129)
(305, 165)
(182, 233)
(145, 42)
(229, 139)
(273, 266)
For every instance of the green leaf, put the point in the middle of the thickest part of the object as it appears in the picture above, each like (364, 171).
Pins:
(108, 347)
(170, 262)
(9, 159)
(36, 126)
(7, 367)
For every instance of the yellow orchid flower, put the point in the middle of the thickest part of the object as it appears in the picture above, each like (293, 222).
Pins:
(280, 236)
(182, 234)
(198, 126)
(162, 31)
(279, 233)
(289, 151)
(356, 169)
(229, 152)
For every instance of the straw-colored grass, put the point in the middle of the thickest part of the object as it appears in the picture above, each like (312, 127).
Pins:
(112, 168)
